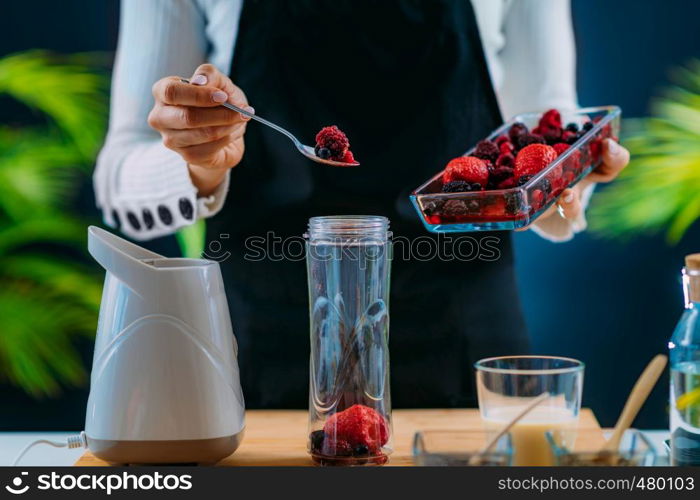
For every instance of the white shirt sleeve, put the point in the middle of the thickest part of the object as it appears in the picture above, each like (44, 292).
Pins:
(531, 55)
(140, 185)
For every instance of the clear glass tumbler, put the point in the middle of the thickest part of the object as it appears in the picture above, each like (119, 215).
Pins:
(506, 385)
(348, 263)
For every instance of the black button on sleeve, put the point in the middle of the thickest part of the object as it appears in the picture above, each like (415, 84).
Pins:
(186, 208)
(165, 215)
(147, 217)
(116, 219)
(133, 220)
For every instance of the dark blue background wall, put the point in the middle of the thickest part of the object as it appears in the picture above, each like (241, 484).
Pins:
(614, 305)
(609, 304)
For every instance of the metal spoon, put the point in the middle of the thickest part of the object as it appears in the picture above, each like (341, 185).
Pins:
(307, 151)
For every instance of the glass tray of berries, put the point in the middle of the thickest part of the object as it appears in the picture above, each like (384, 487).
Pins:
(510, 178)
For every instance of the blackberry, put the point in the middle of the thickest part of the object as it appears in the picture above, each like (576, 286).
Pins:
(552, 136)
(546, 186)
(432, 207)
(323, 153)
(457, 187)
(316, 438)
(499, 175)
(571, 127)
(573, 138)
(512, 204)
(587, 126)
(527, 139)
(486, 150)
(523, 179)
(360, 450)
(454, 207)
(475, 186)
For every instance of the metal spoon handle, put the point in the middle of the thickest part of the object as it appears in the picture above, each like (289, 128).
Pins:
(261, 120)
(256, 118)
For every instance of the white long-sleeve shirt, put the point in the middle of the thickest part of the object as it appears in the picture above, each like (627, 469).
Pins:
(529, 49)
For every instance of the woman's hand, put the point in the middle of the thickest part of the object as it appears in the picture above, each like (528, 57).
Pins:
(615, 158)
(191, 121)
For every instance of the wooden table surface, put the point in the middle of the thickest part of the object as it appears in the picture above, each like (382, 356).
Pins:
(278, 437)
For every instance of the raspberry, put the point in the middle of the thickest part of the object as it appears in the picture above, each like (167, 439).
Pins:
(533, 158)
(348, 157)
(486, 150)
(507, 184)
(560, 147)
(505, 160)
(357, 425)
(501, 139)
(527, 139)
(551, 119)
(333, 139)
(537, 199)
(499, 175)
(516, 130)
(466, 168)
(506, 147)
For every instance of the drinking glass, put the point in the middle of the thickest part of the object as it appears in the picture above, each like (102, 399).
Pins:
(348, 261)
(506, 385)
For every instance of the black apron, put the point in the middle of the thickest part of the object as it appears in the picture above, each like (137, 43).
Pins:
(407, 81)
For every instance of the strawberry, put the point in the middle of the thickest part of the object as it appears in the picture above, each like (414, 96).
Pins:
(533, 158)
(358, 425)
(466, 168)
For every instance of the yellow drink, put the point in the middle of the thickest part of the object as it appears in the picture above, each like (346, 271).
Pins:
(530, 446)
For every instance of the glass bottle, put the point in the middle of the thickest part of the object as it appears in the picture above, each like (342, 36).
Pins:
(685, 372)
(348, 263)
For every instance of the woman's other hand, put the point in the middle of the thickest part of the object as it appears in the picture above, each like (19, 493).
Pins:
(615, 158)
(192, 123)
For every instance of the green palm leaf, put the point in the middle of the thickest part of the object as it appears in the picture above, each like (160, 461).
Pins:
(660, 189)
(47, 298)
(65, 89)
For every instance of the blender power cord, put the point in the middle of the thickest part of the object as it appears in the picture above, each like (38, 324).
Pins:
(77, 441)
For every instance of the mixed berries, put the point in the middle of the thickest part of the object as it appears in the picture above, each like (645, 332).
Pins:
(511, 160)
(333, 144)
(355, 435)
